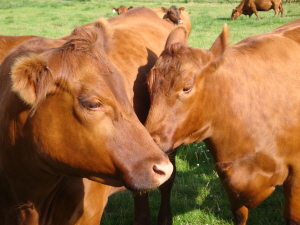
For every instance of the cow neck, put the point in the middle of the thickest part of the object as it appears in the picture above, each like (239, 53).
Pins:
(223, 109)
(23, 178)
(241, 5)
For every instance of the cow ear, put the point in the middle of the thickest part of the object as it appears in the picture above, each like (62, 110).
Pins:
(130, 7)
(105, 33)
(29, 76)
(181, 9)
(221, 43)
(178, 34)
(164, 9)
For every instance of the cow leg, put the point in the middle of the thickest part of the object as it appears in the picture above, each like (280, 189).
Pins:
(281, 9)
(276, 11)
(256, 13)
(165, 213)
(240, 213)
(292, 200)
(141, 208)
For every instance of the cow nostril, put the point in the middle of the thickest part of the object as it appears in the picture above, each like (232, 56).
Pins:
(159, 170)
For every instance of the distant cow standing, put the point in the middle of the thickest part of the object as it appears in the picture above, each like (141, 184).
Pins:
(248, 7)
(243, 101)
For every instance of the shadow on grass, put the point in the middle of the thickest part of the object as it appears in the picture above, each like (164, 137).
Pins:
(197, 197)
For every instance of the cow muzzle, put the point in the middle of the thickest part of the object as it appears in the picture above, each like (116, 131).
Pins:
(157, 174)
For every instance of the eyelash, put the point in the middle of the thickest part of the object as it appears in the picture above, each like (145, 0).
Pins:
(187, 89)
(91, 105)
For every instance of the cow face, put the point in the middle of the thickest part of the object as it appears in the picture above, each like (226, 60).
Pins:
(81, 121)
(176, 86)
(122, 9)
(235, 14)
(173, 14)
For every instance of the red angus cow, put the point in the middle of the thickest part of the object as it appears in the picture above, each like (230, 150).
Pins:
(173, 13)
(248, 7)
(121, 9)
(64, 113)
(247, 116)
(145, 43)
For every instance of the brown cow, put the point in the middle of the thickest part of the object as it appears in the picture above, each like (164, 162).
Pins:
(9, 42)
(121, 9)
(173, 13)
(248, 7)
(244, 102)
(64, 113)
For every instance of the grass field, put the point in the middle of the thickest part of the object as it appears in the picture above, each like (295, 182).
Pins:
(197, 197)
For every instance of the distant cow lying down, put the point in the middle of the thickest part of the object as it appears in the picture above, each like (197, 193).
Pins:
(248, 7)
(248, 116)
(66, 109)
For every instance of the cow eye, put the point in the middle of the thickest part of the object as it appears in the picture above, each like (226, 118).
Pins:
(187, 89)
(91, 104)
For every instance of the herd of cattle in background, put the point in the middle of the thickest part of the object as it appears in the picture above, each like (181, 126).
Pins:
(246, 7)
(68, 103)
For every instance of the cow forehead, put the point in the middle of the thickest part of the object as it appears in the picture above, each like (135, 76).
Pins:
(176, 61)
(94, 75)
(175, 67)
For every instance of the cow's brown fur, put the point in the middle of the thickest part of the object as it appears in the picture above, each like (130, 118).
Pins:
(244, 102)
(66, 116)
(121, 9)
(248, 7)
(9, 42)
(175, 15)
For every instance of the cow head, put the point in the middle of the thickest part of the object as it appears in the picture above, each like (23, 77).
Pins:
(122, 9)
(178, 96)
(81, 122)
(236, 13)
(173, 14)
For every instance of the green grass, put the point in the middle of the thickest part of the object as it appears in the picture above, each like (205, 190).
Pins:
(197, 197)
